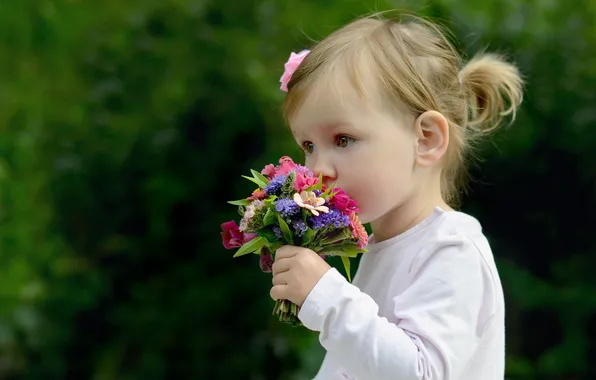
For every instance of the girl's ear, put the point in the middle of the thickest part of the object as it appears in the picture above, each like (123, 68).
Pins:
(432, 131)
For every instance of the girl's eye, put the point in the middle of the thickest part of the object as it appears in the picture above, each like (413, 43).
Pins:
(308, 147)
(344, 141)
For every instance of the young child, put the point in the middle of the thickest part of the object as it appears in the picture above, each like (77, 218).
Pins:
(387, 111)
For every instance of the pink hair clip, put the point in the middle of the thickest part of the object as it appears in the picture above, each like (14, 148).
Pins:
(290, 67)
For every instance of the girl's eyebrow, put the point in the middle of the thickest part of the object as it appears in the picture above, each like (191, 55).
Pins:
(327, 126)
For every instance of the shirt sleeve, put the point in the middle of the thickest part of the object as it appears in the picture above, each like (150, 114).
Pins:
(436, 318)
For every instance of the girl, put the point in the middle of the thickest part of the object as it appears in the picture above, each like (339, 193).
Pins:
(387, 111)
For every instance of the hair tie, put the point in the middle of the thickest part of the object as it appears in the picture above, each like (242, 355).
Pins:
(290, 67)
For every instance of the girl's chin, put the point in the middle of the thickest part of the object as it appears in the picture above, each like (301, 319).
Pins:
(364, 218)
(369, 216)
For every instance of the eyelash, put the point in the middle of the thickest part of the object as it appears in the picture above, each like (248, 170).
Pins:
(350, 140)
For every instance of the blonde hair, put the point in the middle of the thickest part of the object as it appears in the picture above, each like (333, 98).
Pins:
(418, 66)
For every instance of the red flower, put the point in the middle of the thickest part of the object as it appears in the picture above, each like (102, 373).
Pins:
(266, 263)
(343, 202)
(258, 194)
(232, 237)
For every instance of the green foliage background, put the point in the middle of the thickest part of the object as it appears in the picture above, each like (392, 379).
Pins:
(125, 126)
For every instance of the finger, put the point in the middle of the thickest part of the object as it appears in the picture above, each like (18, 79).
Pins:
(286, 251)
(281, 265)
(279, 292)
(281, 279)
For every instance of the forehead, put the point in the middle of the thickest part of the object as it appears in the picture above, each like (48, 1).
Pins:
(334, 100)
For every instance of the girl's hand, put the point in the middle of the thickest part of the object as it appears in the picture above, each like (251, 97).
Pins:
(296, 271)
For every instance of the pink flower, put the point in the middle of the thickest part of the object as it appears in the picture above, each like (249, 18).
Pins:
(286, 165)
(232, 237)
(286, 160)
(290, 67)
(269, 171)
(343, 202)
(358, 230)
(303, 182)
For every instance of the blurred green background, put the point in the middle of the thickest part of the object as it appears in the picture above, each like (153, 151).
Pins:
(125, 127)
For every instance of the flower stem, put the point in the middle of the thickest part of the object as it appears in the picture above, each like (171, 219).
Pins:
(287, 312)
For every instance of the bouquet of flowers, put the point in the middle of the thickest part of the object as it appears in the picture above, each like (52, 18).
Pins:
(293, 207)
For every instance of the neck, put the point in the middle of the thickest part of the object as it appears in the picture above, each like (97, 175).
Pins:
(406, 215)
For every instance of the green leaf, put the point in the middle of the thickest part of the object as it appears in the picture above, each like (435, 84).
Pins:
(329, 193)
(275, 246)
(307, 237)
(252, 246)
(269, 218)
(326, 193)
(343, 249)
(346, 262)
(288, 186)
(240, 202)
(332, 194)
(258, 182)
(260, 177)
(270, 199)
(268, 234)
(345, 233)
(285, 230)
(304, 213)
(342, 253)
(319, 185)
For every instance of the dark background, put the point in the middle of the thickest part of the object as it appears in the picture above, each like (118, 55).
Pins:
(125, 127)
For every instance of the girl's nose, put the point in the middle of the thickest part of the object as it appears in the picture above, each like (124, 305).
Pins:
(327, 170)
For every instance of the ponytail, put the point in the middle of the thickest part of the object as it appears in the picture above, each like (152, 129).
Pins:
(493, 88)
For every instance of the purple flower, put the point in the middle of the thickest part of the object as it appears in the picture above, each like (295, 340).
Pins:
(277, 232)
(275, 184)
(304, 171)
(333, 219)
(286, 207)
(299, 227)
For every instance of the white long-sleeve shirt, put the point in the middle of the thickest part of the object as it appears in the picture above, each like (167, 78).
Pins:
(426, 304)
